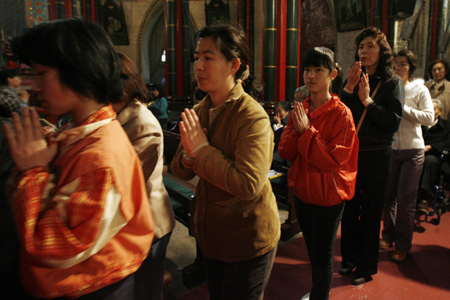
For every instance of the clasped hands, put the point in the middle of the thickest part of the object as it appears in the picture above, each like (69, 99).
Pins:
(300, 118)
(192, 133)
(354, 78)
(27, 146)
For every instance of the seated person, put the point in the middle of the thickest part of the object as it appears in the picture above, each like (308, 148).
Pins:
(437, 139)
(279, 123)
(301, 93)
(10, 100)
(281, 115)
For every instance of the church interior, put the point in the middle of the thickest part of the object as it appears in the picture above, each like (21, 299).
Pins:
(159, 37)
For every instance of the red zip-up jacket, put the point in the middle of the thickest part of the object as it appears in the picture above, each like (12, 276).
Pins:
(325, 156)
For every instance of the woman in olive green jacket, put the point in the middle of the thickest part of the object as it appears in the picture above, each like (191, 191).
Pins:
(228, 142)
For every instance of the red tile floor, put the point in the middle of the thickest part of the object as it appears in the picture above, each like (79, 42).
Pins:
(425, 274)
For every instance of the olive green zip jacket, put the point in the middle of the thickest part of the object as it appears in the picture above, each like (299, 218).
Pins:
(235, 216)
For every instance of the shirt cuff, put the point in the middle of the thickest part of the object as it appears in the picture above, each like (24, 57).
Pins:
(186, 161)
(347, 91)
(367, 102)
(199, 147)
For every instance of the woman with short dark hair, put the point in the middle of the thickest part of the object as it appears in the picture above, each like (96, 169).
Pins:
(80, 205)
(375, 97)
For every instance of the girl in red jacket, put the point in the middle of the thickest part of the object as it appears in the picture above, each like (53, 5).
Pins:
(321, 141)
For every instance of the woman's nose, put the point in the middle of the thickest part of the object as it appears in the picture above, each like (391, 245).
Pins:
(199, 65)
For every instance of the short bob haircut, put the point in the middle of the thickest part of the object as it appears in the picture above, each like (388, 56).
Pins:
(132, 82)
(81, 51)
(7, 73)
(385, 68)
(446, 66)
(412, 61)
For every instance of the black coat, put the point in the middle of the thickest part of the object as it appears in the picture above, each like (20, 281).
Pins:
(438, 136)
(383, 115)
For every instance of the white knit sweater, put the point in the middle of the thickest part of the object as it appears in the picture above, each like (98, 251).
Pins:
(418, 110)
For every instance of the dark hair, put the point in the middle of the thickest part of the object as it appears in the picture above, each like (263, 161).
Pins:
(232, 43)
(158, 87)
(412, 61)
(446, 66)
(385, 68)
(81, 51)
(7, 73)
(132, 82)
(337, 83)
(324, 57)
(284, 105)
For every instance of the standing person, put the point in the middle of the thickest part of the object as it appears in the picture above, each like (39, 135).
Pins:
(160, 103)
(321, 140)
(227, 140)
(10, 100)
(439, 85)
(376, 100)
(80, 206)
(406, 160)
(145, 134)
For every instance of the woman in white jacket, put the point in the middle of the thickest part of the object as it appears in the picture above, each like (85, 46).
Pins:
(406, 160)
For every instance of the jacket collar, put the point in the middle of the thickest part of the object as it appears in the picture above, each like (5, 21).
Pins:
(68, 135)
(235, 94)
(440, 123)
(9, 90)
(323, 108)
(130, 111)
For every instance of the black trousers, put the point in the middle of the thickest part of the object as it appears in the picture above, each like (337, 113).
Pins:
(429, 173)
(319, 225)
(360, 230)
(243, 280)
(150, 276)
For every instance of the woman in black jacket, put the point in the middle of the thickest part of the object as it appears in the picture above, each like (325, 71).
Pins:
(375, 97)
